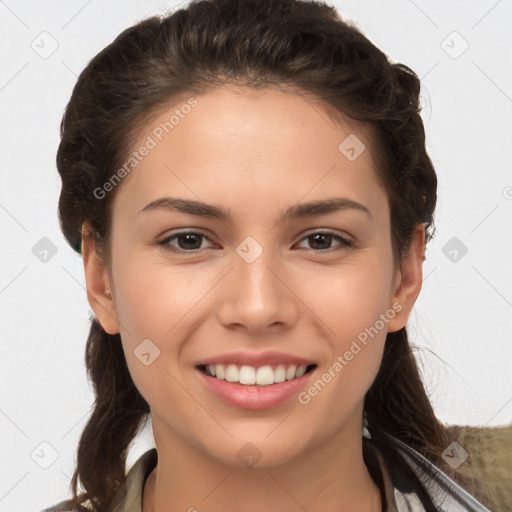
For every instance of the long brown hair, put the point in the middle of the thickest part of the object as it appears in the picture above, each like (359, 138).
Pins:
(293, 43)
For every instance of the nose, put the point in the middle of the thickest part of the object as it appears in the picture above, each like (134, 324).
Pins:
(258, 295)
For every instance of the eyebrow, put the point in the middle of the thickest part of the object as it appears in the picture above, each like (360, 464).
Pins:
(298, 211)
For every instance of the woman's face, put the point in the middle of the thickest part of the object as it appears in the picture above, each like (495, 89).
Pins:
(256, 280)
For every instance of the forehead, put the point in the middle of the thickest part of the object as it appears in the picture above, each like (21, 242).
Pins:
(270, 145)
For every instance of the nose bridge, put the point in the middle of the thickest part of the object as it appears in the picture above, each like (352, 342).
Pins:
(253, 270)
(254, 294)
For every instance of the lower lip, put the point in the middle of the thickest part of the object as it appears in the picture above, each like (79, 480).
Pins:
(255, 397)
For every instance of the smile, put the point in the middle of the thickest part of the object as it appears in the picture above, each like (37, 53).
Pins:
(260, 376)
(255, 388)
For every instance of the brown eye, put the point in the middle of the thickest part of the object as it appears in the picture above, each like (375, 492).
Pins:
(187, 241)
(321, 241)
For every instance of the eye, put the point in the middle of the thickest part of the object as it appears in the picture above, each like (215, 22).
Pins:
(191, 241)
(323, 239)
(187, 241)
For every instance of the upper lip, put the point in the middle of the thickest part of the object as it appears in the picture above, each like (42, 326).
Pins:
(256, 359)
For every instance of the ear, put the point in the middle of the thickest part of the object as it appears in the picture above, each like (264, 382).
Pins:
(408, 280)
(99, 290)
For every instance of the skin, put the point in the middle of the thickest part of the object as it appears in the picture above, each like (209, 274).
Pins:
(256, 153)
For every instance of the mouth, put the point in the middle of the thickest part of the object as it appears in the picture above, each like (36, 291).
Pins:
(256, 387)
(260, 376)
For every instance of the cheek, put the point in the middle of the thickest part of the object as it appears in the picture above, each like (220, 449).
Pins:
(351, 299)
(354, 310)
(161, 305)
(358, 339)
(353, 355)
(155, 300)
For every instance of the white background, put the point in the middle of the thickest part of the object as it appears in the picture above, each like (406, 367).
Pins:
(462, 319)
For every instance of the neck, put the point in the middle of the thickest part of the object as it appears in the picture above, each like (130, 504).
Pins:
(330, 477)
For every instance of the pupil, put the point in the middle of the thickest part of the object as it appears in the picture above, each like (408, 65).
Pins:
(188, 238)
(325, 236)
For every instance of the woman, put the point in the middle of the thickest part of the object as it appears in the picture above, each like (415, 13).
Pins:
(271, 354)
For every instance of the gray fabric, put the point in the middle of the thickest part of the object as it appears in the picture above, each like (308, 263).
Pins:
(444, 492)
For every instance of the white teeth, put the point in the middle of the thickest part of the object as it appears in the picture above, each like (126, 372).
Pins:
(280, 374)
(263, 376)
(290, 373)
(231, 374)
(301, 370)
(247, 375)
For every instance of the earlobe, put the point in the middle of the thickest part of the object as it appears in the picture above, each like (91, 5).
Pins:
(408, 280)
(98, 284)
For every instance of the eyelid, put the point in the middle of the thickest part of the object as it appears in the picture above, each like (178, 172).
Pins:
(164, 240)
(328, 231)
(346, 241)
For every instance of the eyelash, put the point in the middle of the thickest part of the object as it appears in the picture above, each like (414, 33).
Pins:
(345, 242)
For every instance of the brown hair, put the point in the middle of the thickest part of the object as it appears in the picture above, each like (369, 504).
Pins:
(297, 44)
